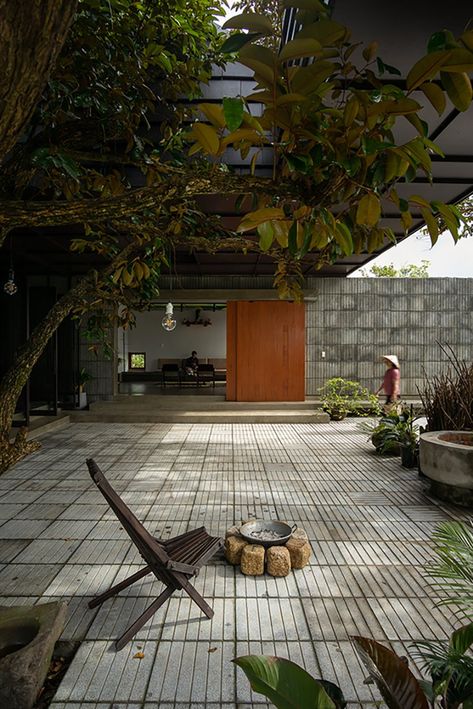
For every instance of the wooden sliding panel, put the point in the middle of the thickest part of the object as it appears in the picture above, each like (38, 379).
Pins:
(265, 351)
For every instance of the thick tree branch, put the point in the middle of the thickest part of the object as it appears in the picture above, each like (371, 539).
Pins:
(32, 35)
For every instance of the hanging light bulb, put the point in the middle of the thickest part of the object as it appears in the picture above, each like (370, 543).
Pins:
(169, 321)
(10, 286)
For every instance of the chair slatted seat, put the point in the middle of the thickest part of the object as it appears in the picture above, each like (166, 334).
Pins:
(173, 561)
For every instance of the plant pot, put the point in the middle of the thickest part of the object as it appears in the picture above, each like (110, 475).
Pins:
(337, 414)
(408, 456)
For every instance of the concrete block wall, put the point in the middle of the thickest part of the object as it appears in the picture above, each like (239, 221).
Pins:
(356, 320)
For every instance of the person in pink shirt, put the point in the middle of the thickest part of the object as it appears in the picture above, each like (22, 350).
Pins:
(392, 379)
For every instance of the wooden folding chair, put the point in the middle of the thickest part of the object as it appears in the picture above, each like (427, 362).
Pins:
(173, 561)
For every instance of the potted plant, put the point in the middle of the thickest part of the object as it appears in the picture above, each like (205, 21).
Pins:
(83, 377)
(340, 397)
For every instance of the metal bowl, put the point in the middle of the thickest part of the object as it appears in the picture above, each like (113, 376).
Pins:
(283, 530)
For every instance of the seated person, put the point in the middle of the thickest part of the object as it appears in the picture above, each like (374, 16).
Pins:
(191, 364)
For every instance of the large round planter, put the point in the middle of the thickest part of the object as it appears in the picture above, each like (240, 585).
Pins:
(446, 458)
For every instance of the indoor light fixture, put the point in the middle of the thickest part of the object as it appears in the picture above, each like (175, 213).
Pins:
(169, 321)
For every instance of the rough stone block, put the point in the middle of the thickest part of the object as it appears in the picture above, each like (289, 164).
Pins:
(299, 551)
(233, 549)
(278, 561)
(299, 533)
(27, 638)
(233, 532)
(252, 560)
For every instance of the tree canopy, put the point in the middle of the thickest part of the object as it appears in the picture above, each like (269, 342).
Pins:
(411, 270)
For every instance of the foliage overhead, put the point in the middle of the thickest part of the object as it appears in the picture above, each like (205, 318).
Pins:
(330, 117)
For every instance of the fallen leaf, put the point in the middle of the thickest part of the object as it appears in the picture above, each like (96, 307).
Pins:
(212, 649)
(139, 655)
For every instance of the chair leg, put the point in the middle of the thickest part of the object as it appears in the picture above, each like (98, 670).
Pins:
(139, 622)
(197, 598)
(119, 587)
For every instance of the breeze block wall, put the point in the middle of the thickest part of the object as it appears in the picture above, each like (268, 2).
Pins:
(354, 321)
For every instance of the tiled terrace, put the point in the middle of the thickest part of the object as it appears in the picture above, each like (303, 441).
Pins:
(368, 519)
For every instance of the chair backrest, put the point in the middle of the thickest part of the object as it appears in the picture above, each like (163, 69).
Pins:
(153, 553)
(206, 368)
(170, 367)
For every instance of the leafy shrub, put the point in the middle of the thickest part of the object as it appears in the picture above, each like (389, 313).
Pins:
(338, 394)
(447, 398)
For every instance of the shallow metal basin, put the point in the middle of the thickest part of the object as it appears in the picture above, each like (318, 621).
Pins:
(283, 530)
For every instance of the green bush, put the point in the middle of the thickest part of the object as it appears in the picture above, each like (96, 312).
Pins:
(340, 395)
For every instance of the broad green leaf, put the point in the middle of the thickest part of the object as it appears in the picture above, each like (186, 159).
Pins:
(425, 69)
(233, 112)
(260, 54)
(213, 113)
(236, 41)
(327, 32)
(462, 639)
(369, 210)
(207, 137)
(398, 686)
(251, 220)
(417, 199)
(449, 216)
(369, 52)
(307, 79)
(286, 684)
(458, 88)
(241, 134)
(266, 235)
(407, 221)
(397, 107)
(292, 239)
(249, 21)
(307, 233)
(350, 111)
(435, 95)
(260, 69)
(290, 98)
(460, 60)
(467, 39)
(297, 48)
(281, 231)
(343, 238)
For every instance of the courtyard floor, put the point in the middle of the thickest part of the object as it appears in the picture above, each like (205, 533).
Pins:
(368, 519)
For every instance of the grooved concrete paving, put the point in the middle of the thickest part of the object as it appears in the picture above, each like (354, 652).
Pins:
(368, 519)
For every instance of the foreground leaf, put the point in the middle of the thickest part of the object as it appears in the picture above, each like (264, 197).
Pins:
(398, 686)
(286, 684)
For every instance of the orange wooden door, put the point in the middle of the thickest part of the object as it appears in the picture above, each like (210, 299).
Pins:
(265, 351)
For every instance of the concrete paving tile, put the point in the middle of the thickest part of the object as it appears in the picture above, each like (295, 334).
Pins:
(27, 579)
(10, 548)
(47, 551)
(99, 673)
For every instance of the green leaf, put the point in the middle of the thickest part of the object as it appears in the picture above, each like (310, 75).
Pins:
(431, 223)
(398, 686)
(297, 48)
(207, 137)
(311, 5)
(458, 88)
(327, 32)
(237, 41)
(449, 216)
(249, 21)
(369, 210)
(425, 69)
(462, 639)
(266, 235)
(435, 95)
(460, 60)
(213, 113)
(233, 112)
(286, 684)
(292, 239)
(251, 220)
(343, 238)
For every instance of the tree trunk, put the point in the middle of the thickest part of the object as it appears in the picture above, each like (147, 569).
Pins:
(16, 377)
(32, 35)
